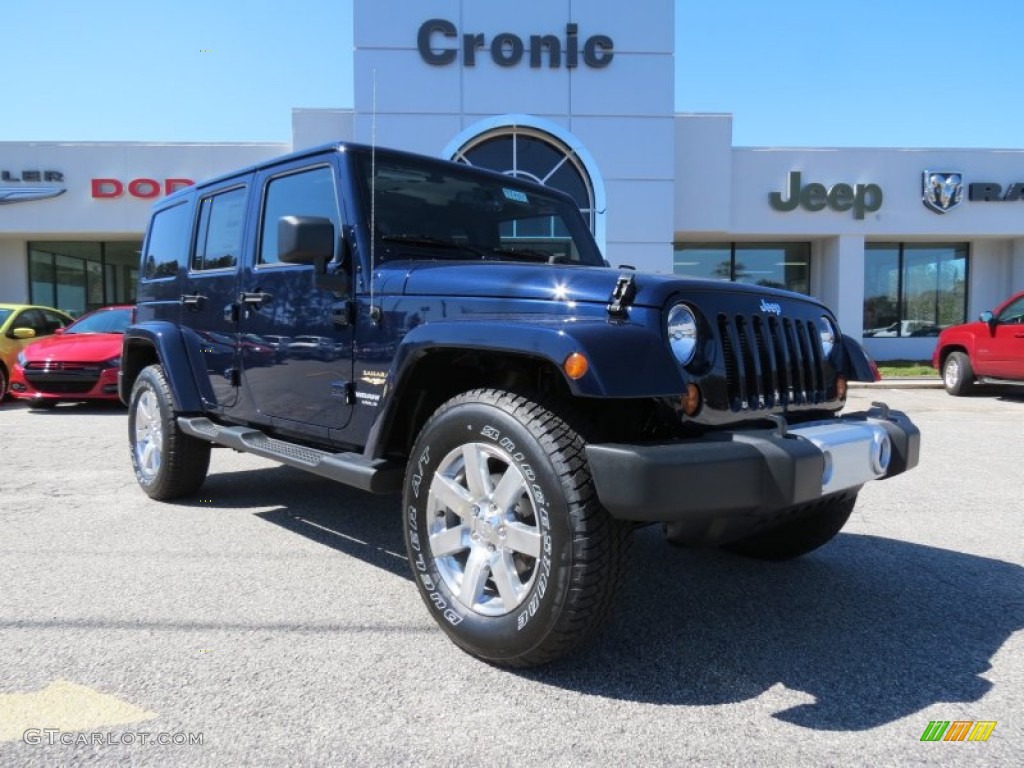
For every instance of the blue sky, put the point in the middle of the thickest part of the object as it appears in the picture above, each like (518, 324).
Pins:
(792, 72)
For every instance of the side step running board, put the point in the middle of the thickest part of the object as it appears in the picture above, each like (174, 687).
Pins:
(374, 475)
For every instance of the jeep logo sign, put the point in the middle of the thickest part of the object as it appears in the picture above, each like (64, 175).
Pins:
(507, 50)
(771, 307)
(860, 198)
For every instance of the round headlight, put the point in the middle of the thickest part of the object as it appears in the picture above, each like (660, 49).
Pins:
(682, 333)
(827, 330)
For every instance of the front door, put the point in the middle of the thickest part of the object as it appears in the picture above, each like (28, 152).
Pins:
(1002, 354)
(296, 346)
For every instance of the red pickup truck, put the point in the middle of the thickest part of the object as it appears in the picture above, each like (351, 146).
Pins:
(988, 351)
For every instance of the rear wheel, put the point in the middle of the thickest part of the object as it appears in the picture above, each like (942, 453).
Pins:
(814, 526)
(168, 463)
(513, 555)
(957, 374)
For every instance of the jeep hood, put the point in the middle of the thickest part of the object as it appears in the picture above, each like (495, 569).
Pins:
(552, 282)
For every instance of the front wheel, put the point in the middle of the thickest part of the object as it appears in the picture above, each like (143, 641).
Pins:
(957, 374)
(168, 463)
(511, 552)
(813, 526)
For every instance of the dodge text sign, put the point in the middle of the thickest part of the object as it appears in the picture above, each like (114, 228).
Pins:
(143, 188)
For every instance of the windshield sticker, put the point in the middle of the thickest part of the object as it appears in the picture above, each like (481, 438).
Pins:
(515, 195)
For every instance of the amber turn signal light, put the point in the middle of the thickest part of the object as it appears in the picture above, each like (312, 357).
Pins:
(575, 366)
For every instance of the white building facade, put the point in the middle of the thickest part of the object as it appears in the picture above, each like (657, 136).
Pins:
(578, 96)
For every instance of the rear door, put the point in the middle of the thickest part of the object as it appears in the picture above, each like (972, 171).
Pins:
(210, 289)
(304, 384)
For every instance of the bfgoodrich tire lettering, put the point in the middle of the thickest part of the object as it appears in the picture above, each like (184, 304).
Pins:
(511, 552)
(168, 463)
(813, 526)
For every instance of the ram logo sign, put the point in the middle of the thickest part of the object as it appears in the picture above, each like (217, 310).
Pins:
(942, 191)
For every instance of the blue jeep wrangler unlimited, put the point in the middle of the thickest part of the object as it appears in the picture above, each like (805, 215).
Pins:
(396, 322)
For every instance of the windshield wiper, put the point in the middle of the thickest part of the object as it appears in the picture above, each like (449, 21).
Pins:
(432, 242)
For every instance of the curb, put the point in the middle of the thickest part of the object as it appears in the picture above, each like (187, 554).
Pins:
(900, 382)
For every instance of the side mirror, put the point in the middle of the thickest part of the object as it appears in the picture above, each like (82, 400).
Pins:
(23, 333)
(305, 240)
(987, 317)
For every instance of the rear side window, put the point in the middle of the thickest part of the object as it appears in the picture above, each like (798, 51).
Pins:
(306, 193)
(167, 243)
(219, 235)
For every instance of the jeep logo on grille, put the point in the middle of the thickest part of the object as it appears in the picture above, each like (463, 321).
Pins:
(771, 307)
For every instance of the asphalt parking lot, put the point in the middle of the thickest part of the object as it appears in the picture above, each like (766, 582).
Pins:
(273, 619)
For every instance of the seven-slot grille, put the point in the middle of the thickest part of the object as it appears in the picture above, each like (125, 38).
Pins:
(771, 361)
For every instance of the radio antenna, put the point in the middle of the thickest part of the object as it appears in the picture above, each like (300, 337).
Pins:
(374, 309)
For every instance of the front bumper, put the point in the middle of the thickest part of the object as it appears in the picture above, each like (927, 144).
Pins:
(751, 474)
(64, 381)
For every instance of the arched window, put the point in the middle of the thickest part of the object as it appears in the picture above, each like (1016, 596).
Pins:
(528, 153)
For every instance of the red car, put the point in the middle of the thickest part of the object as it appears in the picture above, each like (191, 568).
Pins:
(80, 362)
(988, 351)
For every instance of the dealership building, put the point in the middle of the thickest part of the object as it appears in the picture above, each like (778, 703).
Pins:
(578, 96)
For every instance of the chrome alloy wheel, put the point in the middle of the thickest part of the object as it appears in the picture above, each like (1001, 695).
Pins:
(149, 434)
(483, 528)
(951, 373)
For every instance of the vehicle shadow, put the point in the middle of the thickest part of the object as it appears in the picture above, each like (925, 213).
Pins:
(362, 525)
(91, 408)
(872, 629)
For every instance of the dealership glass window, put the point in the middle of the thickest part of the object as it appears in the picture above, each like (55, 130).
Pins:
(527, 153)
(914, 289)
(775, 265)
(81, 276)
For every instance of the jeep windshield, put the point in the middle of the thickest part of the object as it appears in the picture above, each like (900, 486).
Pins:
(426, 210)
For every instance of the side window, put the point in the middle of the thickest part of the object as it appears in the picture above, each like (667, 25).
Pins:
(31, 318)
(306, 193)
(166, 243)
(1013, 313)
(53, 321)
(219, 236)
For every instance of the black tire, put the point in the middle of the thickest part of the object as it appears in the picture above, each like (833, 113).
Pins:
(812, 526)
(958, 374)
(3, 383)
(521, 565)
(168, 463)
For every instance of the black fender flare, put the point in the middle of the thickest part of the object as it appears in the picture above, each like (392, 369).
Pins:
(857, 363)
(168, 343)
(650, 372)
